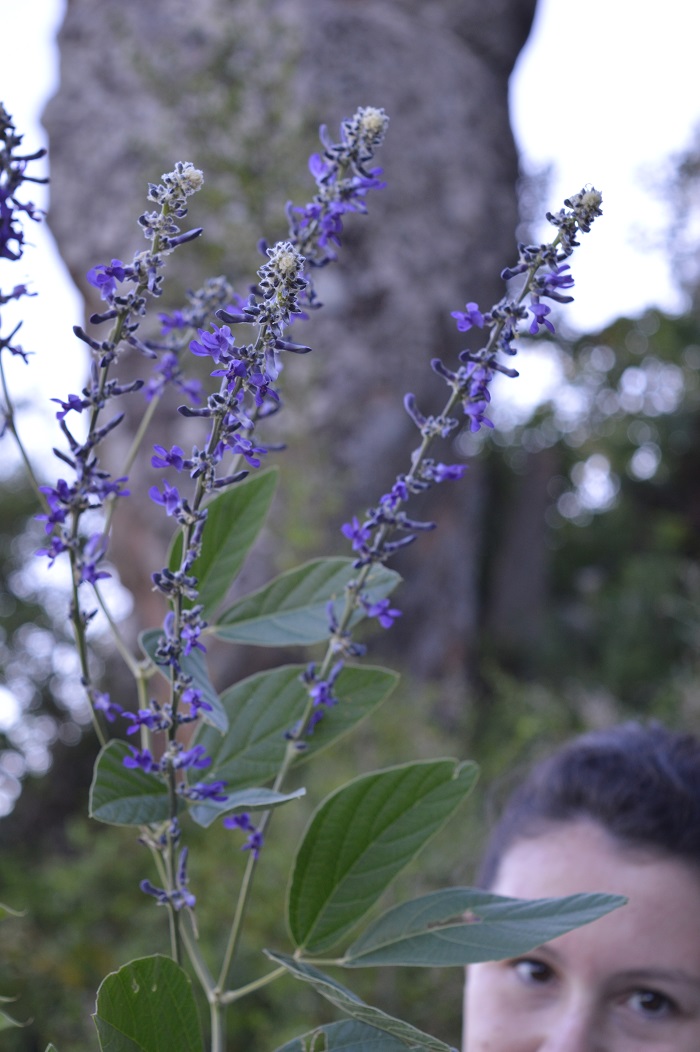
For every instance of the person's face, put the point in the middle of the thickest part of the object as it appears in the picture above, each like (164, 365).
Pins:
(625, 983)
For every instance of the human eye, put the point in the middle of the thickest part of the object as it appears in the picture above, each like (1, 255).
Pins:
(532, 971)
(652, 1004)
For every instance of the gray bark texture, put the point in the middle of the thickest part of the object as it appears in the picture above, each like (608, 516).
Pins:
(239, 88)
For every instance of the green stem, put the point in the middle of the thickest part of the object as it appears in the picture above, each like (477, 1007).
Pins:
(237, 923)
(217, 1014)
(9, 411)
(234, 995)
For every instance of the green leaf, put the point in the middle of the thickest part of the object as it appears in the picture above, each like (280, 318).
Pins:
(263, 707)
(244, 800)
(148, 1006)
(345, 1036)
(234, 519)
(194, 665)
(431, 931)
(125, 796)
(351, 1004)
(361, 837)
(292, 609)
(6, 1021)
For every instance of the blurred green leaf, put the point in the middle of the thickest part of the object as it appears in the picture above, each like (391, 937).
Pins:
(351, 1004)
(292, 609)
(361, 837)
(148, 1006)
(6, 1021)
(431, 931)
(7, 911)
(345, 1036)
(125, 796)
(234, 520)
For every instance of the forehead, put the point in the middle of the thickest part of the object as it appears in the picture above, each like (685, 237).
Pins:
(661, 921)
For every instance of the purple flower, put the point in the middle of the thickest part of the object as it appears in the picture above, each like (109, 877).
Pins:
(170, 322)
(56, 547)
(75, 403)
(216, 344)
(168, 371)
(255, 840)
(448, 472)
(245, 448)
(540, 312)
(383, 611)
(154, 719)
(194, 699)
(469, 318)
(359, 535)
(105, 278)
(549, 284)
(194, 757)
(142, 759)
(164, 458)
(169, 498)
(178, 898)
(206, 791)
(103, 703)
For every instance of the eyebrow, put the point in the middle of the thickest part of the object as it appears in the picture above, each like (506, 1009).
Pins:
(655, 975)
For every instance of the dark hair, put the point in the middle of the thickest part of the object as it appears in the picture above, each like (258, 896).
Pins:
(641, 783)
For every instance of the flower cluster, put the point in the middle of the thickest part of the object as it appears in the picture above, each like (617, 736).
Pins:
(13, 173)
(247, 374)
(92, 487)
(547, 276)
(181, 895)
(343, 180)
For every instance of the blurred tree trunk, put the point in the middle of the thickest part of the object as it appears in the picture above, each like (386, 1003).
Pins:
(239, 88)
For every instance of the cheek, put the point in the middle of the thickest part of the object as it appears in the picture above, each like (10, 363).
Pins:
(487, 1027)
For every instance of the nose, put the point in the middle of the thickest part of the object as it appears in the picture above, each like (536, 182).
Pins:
(575, 1029)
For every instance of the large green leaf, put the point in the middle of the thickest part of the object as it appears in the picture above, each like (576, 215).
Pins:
(194, 665)
(431, 931)
(345, 1036)
(351, 1004)
(234, 519)
(244, 800)
(148, 1006)
(292, 609)
(361, 837)
(125, 796)
(262, 708)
